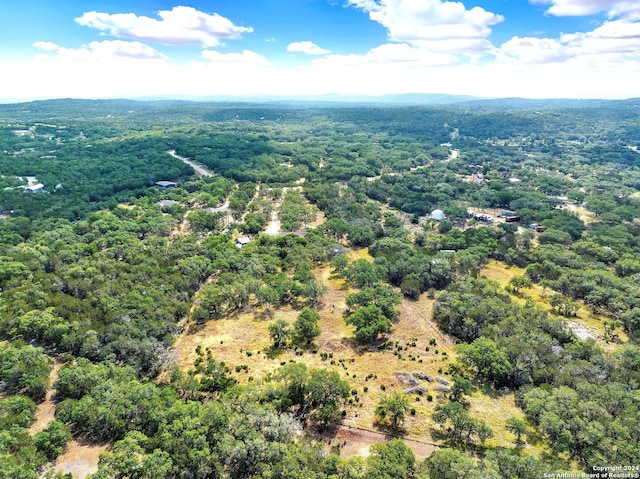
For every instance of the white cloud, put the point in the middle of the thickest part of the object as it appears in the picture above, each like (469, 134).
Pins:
(306, 47)
(431, 22)
(391, 68)
(179, 26)
(105, 50)
(617, 36)
(617, 40)
(530, 50)
(247, 57)
(573, 8)
(390, 55)
(604, 62)
(46, 46)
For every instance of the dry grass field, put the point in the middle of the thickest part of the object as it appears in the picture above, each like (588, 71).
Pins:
(79, 459)
(586, 323)
(243, 339)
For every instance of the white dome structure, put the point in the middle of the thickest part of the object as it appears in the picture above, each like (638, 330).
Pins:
(438, 215)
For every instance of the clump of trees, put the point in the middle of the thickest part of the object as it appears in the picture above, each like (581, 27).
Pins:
(313, 394)
(372, 311)
(24, 370)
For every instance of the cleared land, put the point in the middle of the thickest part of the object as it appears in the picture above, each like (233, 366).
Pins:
(243, 339)
(79, 459)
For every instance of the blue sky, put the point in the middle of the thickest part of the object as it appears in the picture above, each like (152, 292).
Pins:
(490, 48)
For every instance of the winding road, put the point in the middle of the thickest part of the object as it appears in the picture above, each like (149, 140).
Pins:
(200, 171)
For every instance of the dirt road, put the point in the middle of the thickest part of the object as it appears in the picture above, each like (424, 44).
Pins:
(354, 441)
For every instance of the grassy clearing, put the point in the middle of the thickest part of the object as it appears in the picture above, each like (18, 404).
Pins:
(586, 318)
(79, 459)
(243, 339)
(362, 253)
(582, 213)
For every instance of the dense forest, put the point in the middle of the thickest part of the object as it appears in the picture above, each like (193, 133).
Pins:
(463, 278)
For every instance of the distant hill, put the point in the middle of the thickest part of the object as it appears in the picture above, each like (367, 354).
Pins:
(166, 108)
(544, 104)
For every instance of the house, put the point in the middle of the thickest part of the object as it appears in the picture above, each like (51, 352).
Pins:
(37, 188)
(242, 240)
(166, 184)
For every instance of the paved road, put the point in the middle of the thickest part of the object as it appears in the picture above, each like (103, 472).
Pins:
(201, 171)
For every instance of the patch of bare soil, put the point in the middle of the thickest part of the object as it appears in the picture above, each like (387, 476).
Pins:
(274, 225)
(79, 459)
(183, 228)
(353, 441)
(583, 332)
(274, 228)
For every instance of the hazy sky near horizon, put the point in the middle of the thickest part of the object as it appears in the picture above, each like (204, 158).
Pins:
(489, 48)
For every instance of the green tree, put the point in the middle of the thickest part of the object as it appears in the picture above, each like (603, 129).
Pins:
(306, 327)
(394, 407)
(370, 322)
(25, 370)
(128, 458)
(610, 327)
(326, 394)
(280, 333)
(213, 375)
(517, 427)
(461, 387)
(563, 306)
(393, 460)
(268, 296)
(450, 464)
(456, 423)
(518, 283)
(485, 358)
(362, 273)
(295, 377)
(339, 262)
(381, 295)
(53, 439)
